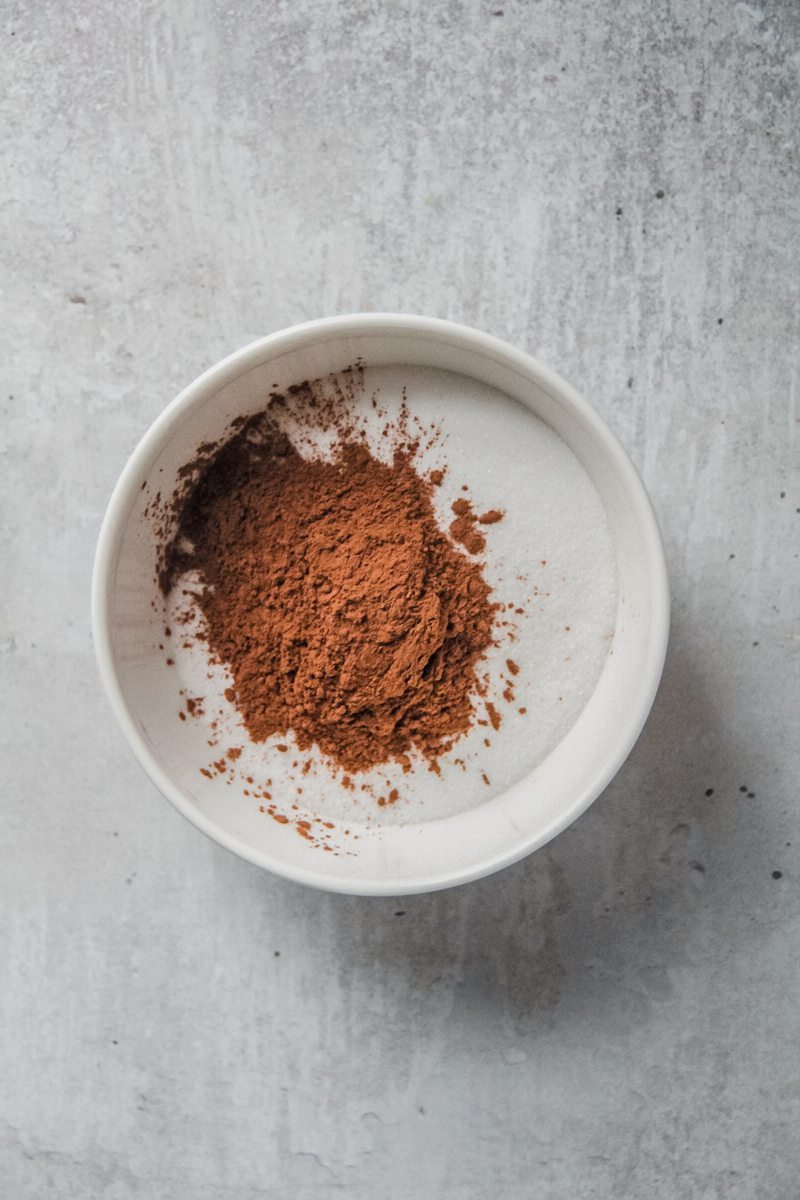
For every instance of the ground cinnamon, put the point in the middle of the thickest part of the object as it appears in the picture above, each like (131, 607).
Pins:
(343, 612)
(463, 530)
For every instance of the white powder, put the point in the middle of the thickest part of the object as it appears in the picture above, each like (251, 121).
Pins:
(551, 557)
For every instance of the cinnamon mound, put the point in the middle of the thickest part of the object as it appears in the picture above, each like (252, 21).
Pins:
(341, 609)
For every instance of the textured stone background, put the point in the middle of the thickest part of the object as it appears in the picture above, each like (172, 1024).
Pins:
(612, 186)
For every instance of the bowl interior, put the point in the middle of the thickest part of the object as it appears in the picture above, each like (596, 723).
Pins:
(452, 830)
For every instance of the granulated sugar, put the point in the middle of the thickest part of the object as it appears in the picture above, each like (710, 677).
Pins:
(549, 562)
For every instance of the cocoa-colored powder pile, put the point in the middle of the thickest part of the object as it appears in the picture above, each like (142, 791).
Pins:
(343, 612)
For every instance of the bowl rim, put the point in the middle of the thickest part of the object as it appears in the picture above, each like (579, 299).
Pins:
(251, 355)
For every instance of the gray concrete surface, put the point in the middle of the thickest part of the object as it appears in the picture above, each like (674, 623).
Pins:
(614, 187)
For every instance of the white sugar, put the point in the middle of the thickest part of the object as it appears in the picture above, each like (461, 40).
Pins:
(551, 557)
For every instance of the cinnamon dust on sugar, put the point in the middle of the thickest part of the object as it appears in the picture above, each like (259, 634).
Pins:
(343, 612)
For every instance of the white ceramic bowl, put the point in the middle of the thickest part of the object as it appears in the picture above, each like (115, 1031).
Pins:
(422, 855)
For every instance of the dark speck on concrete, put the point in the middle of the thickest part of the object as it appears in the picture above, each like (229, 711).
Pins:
(731, 556)
(659, 194)
(783, 495)
(630, 381)
(743, 788)
(709, 791)
(77, 299)
(698, 866)
(751, 795)
(498, 12)
(777, 874)
(755, 643)
(719, 320)
(619, 212)
(400, 913)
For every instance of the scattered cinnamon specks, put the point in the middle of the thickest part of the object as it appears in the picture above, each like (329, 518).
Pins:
(463, 530)
(493, 715)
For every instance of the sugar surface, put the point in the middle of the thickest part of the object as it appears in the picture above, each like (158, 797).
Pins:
(550, 561)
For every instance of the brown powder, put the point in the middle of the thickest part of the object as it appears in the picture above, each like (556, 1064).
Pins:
(341, 609)
(493, 715)
(463, 530)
